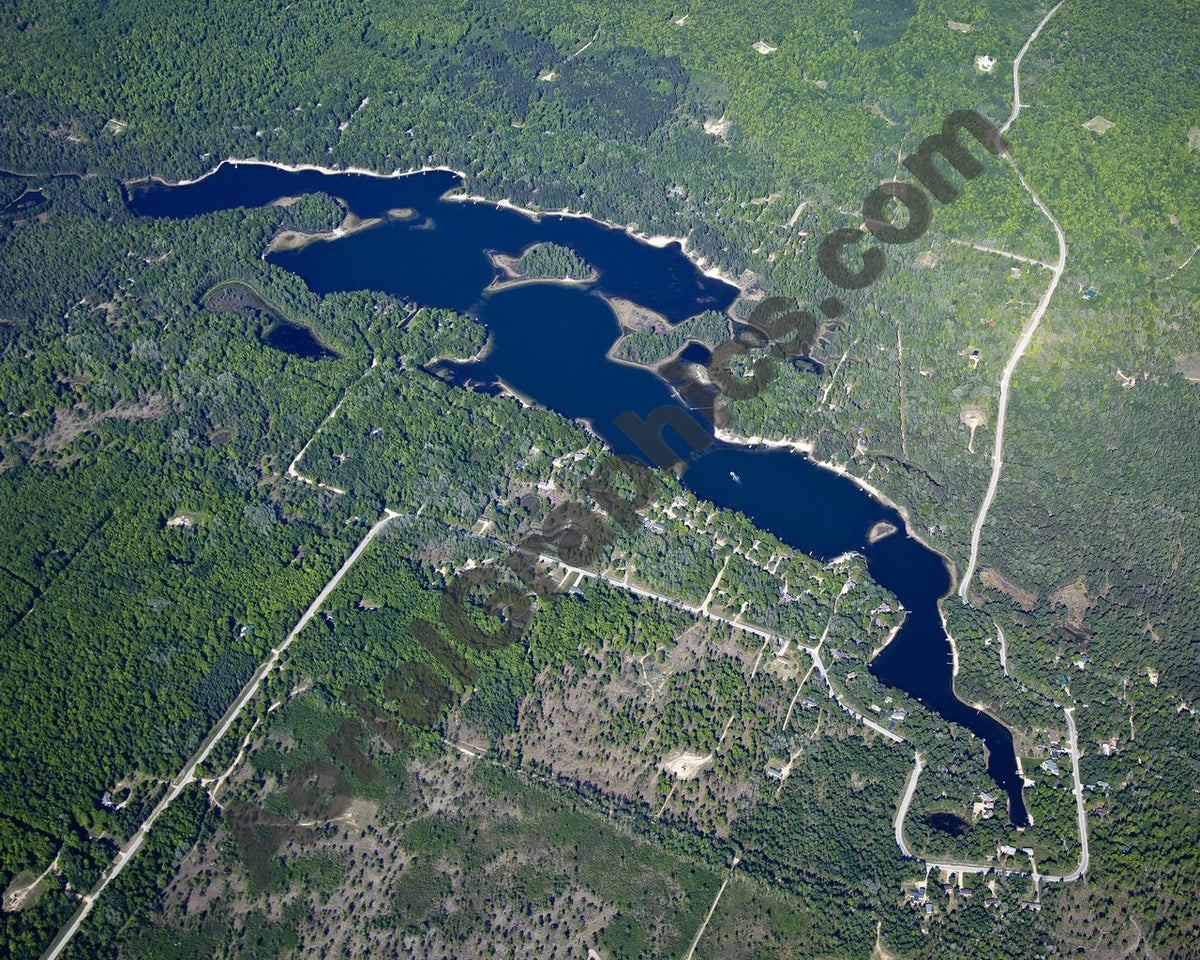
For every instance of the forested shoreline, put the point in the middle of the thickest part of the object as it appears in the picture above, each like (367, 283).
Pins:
(156, 548)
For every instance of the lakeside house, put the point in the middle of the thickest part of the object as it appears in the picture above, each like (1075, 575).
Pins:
(985, 807)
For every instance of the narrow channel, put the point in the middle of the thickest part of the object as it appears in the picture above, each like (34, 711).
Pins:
(551, 343)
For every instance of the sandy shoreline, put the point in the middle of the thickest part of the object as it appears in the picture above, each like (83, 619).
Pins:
(497, 285)
(514, 278)
(881, 531)
(614, 351)
(807, 447)
(292, 168)
(796, 446)
(888, 639)
(654, 240)
(298, 239)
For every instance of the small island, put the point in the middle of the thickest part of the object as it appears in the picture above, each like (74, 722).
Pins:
(648, 339)
(543, 261)
(880, 530)
(352, 223)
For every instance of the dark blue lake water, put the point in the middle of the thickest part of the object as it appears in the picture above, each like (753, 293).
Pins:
(550, 343)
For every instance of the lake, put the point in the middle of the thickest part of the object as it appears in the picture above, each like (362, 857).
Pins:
(550, 343)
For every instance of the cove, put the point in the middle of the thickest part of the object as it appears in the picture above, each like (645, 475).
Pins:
(549, 342)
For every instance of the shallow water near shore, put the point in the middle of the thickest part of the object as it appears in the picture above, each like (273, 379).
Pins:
(550, 344)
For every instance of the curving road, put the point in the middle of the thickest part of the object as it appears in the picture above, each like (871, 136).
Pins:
(1030, 327)
(813, 652)
(962, 867)
(905, 801)
(188, 773)
(1080, 809)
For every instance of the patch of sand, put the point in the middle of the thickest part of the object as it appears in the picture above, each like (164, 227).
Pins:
(973, 416)
(633, 316)
(296, 239)
(684, 765)
(881, 530)
(718, 127)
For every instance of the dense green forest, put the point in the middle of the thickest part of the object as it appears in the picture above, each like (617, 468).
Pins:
(155, 548)
(552, 260)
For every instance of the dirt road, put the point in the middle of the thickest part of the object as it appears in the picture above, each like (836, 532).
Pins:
(1031, 326)
(188, 773)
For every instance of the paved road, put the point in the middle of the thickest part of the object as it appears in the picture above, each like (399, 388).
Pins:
(905, 801)
(902, 812)
(188, 773)
(964, 867)
(816, 655)
(1030, 327)
(1080, 808)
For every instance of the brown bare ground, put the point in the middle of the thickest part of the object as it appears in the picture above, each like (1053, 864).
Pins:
(619, 727)
(1099, 930)
(351, 918)
(973, 415)
(78, 420)
(994, 580)
(1075, 598)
